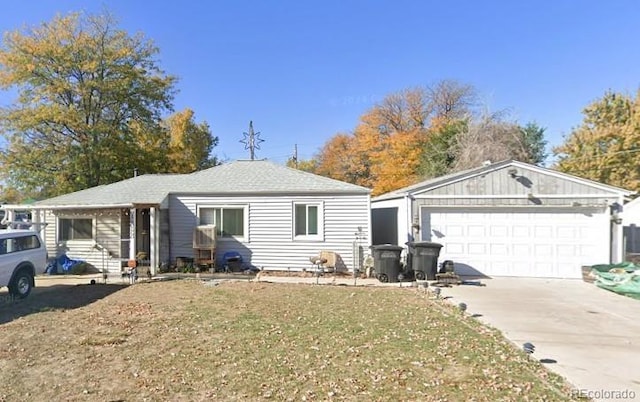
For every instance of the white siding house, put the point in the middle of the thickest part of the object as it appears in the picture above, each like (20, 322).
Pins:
(508, 219)
(269, 240)
(274, 216)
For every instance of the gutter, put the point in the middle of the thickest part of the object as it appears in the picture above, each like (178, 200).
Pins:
(70, 206)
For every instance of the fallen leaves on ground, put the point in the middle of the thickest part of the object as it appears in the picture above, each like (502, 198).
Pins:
(180, 340)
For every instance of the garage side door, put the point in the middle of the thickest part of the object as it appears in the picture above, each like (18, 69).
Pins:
(384, 223)
(528, 243)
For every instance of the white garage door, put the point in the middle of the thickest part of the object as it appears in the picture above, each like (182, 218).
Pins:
(518, 242)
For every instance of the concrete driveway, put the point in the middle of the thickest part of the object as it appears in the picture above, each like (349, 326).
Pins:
(586, 334)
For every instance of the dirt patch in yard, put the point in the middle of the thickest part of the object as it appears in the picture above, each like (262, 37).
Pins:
(185, 340)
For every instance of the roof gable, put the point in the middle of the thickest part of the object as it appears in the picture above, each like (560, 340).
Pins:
(515, 177)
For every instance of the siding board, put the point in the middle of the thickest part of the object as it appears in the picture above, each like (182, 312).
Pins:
(270, 242)
(107, 232)
(500, 182)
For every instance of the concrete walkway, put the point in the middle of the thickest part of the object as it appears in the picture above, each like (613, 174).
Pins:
(586, 334)
(51, 280)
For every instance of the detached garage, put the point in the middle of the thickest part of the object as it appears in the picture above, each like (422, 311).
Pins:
(508, 219)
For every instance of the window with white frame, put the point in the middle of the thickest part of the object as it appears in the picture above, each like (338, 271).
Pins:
(307, 220)
(230, 221)
(75, 229)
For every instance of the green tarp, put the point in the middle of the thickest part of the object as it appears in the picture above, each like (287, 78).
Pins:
(623, 278)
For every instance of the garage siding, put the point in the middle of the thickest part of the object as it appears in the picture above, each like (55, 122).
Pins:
(524, 181)
(512, 202)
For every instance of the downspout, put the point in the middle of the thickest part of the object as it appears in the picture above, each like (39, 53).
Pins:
(409, 218)
(154, 239)
(611, 232)
(622, 253)
(369, 224)
(616, 251)
(133, 231)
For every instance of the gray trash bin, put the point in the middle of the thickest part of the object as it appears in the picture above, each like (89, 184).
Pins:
(424, 259)
(386, 262)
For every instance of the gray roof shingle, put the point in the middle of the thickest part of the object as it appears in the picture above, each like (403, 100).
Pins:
(238, 177)
(265, 177)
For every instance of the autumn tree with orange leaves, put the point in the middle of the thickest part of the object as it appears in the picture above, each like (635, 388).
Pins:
(424, 132)
(387, 149)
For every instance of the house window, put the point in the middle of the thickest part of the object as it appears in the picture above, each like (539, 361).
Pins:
(229, 221)
(307, 221)
(76, 229)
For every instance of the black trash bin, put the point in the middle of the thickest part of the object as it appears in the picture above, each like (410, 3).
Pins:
(386, 262)
(424, 259)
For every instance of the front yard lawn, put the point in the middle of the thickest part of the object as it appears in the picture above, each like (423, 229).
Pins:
(182, 340)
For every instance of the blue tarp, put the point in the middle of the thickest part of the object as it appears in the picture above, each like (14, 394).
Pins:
(231, 256)
(61, 265)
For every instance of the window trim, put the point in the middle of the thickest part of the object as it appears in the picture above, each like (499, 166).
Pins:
(94, 222)
(320, 219)
(245, 223)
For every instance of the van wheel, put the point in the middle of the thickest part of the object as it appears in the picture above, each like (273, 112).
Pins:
(383, 278)
(420, 276)
(21, 285)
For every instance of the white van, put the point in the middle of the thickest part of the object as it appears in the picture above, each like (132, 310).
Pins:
(22, 257)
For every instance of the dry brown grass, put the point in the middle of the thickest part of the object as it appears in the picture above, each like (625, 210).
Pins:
(182, 341)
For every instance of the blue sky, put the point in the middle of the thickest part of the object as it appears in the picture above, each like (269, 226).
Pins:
(306, 70)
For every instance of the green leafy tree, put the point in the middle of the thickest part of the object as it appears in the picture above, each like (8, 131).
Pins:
(306, 165)
(190, 143)
(89, 109)
(9, 195)
(181, 145)
(535, 143)
(605, 147)
(438, 157)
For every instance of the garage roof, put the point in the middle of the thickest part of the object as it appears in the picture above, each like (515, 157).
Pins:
(466, 174)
